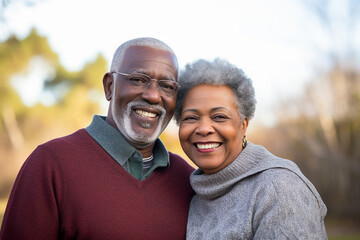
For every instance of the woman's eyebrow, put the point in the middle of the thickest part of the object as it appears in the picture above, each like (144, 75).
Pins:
(191, 110)
(212, 110)
(219, 108)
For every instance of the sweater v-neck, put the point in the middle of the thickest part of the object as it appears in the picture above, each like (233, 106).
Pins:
(128, 157)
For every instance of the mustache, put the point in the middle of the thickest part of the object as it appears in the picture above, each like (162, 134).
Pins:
(145, 104)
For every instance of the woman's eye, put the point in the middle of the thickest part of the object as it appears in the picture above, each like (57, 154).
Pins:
(220, 117)
(189, 118)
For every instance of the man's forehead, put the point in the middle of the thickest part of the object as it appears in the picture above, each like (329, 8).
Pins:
(144, 57)
(146, 51)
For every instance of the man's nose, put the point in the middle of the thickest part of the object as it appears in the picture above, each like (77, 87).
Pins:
(152, 94)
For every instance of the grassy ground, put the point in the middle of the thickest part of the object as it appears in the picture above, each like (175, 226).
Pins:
(336, 229)
(342, 229)
(354, 237)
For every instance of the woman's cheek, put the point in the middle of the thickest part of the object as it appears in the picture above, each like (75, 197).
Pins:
(184, 136)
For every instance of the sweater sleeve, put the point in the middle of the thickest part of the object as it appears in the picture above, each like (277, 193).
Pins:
(287, 209)
(32, 211)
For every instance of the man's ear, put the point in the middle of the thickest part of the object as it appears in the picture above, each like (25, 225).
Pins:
(108, 82)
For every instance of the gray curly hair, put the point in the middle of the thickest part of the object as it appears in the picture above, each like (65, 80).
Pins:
(217, 72)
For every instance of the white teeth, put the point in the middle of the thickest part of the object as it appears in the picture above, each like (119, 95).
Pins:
(145, 114)
(208, 146)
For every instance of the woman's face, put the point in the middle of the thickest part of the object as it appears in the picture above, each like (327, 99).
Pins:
(211, 131)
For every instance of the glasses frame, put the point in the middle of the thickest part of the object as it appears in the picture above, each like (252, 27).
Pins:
(147, 86)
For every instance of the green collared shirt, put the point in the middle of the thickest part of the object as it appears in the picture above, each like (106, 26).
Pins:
(115, 144)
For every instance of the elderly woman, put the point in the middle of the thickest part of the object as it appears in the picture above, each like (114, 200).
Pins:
(242, 190)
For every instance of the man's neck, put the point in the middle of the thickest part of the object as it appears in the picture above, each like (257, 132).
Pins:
(147, 152)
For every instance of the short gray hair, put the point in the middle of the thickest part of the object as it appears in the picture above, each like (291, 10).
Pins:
(218, 72)
(146, 42)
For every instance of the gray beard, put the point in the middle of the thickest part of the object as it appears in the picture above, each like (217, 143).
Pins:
(123, 122)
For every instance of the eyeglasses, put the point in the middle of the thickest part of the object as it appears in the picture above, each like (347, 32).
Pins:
(141, 82)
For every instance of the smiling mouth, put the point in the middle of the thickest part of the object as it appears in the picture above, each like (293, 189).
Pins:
(204, 146)
(146, 114)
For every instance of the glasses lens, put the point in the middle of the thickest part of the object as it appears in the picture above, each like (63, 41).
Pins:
(168, 87)
(139, 81)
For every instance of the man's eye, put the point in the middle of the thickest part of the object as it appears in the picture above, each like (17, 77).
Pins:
(167, 85)
(138, 80)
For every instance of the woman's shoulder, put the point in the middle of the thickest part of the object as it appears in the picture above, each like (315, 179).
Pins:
(281, 176)
(284, 178)
(289, 187)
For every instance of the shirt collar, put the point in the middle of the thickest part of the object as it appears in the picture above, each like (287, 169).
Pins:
(114, 143)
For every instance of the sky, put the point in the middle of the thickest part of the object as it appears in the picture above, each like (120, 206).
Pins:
(276, 43)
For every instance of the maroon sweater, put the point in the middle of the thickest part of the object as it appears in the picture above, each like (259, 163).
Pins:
(70, 188)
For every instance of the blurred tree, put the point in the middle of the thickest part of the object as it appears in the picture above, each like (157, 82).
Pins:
(323, 125)
(15, 56)
(77, 96)
(339, 22)
(5, 3)
(76, 93)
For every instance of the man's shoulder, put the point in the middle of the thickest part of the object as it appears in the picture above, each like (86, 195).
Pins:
(75, 139)
(56, 150)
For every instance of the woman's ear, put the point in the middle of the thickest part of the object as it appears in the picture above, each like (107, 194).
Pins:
(245, 124)
(108, 82)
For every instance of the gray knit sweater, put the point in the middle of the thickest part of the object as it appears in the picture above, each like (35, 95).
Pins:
(258, 196)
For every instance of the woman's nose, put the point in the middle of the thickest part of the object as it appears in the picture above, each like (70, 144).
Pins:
(204, 128)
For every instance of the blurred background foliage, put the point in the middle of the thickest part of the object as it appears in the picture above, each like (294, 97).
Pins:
(75, 98)
(319, 130)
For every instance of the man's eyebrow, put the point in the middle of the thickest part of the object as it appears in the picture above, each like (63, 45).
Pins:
(168, 78)
(142, 71)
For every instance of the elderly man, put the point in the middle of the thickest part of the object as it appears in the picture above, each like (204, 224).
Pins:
(114, 179)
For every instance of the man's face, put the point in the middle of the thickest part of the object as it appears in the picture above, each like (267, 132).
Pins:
(142, 116)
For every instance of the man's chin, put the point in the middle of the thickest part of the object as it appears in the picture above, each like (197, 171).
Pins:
(141, 135)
